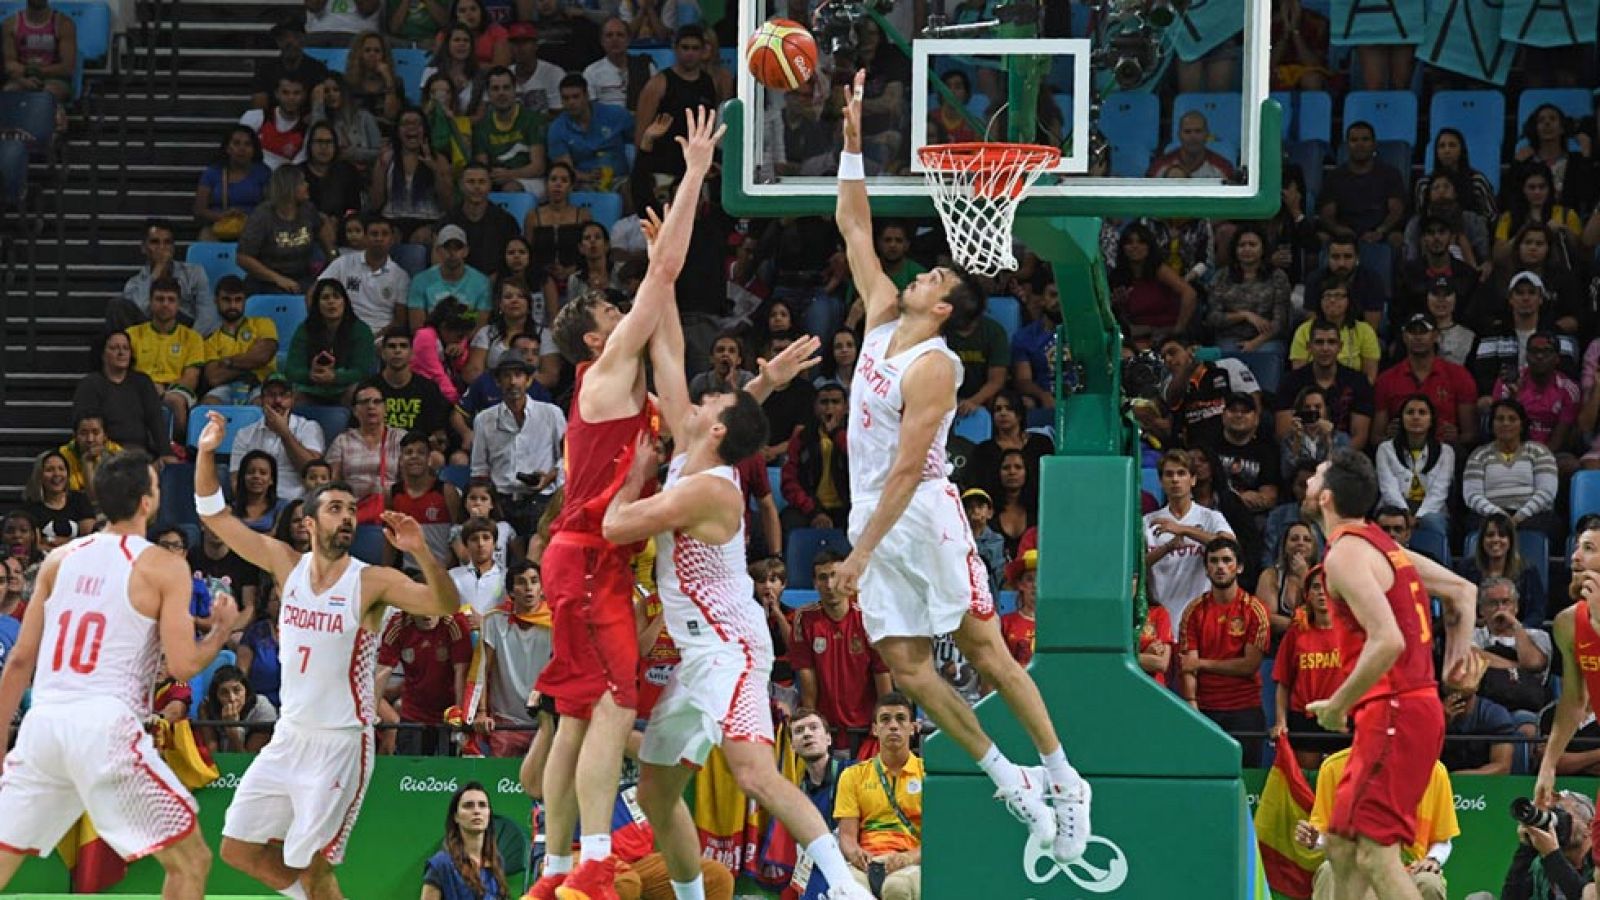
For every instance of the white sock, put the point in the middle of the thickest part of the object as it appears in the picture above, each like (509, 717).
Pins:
(594, 847)
(690, 890)
(1062, 774)
(825, 852)
(1003, 772)
(557, 865)
(295, 891)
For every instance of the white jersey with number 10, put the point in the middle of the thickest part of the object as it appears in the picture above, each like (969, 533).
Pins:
(877, 407)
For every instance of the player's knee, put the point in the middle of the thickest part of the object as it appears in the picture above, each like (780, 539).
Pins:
(754, 779)
(1341, 852)
(189, 859)
(238, 854)
(1371, 857)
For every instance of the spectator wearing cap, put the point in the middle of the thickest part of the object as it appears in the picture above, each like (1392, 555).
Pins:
(1251, 460)
(1196, 392)
(242, 352)
(289, 33)
(616, 78)
(332, 23)
(194, 288)
(378, 286)
(991, 544)
(451, 277)
(592, 139)
(291, 439)
(1018, 628)
(1548, 396)
(1423, 371)
(510, 138)
(1431, 263)
(1347, 391)
(1503, 351)
(1455, 339)
(488, 227)
(517, 445)
(816, 470)
(538, 83)
(1539, 248)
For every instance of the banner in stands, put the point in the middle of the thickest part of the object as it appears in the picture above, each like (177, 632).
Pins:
(1358, 22)
(1463, 36)
(1202, 26)
(1549, 23)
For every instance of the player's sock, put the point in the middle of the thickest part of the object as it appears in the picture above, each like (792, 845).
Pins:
(557, 865)
(1003, 772)
(1062, 774)
(594, 847)
(294, 891)
(825, 852)
(691, 890)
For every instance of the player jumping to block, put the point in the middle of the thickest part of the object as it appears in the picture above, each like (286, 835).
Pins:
(913, 555)
(297, 803)
(1379, 596)
(105, 608)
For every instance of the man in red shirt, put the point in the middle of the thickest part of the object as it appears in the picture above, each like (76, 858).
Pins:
(432, 653)
(1223, 637)
(840, 674)
(1019, 627)
(1449, 387)
(1379, 596)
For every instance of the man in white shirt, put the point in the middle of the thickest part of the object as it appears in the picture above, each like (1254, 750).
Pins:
(292, 440)
(377, 285)
(538, 82)
(514, 649)
(608, 75)
(1176, 536)
(481, 583)
(517, 445)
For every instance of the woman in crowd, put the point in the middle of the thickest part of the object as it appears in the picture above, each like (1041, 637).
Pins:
(232, 187)
(1450, 155)
(1469, 231)
(553, 229)
(124, 400)
(1537, 248)
(1312, 436)
(359, 136)
(1282, 584)
(513, 315)
(449, 129)
(1511, 474)
(1148, 295)
(439, 348)
(1006, 411)
(491, 44)
(596, 271)
(1531, 197)
(62, 513)
(1249, 298)
(255, 500)
(1017, 503)
(1546, 137)
(1303, 676)
(258, 646)
(455, 60)
(412, 185)
(516, 267)
(367, 457)
(332, 184)
(246, 716)
(468, 868)
(839, 366)
(1498, 554)
(1415, 469)
(479, 502)
(84, 453)
(331, 351)
(276, 248)
(291, 526)
(1358, 343)
(1292, 233)
(370, 77)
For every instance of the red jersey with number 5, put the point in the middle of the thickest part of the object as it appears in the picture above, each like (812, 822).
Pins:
(1409, 604)
(95, 643)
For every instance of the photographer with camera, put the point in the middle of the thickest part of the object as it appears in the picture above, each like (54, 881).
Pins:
(1553, 860)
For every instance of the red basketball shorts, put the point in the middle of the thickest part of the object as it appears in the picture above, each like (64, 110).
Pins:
(594, 646)
(1397, 741)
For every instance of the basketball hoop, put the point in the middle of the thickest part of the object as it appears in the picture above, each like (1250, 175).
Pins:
(976, 188)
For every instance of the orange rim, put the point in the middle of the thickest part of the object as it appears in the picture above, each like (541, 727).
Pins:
(993, 164)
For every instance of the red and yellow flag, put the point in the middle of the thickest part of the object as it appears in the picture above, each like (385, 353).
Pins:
(1286, 799)
(94, 865)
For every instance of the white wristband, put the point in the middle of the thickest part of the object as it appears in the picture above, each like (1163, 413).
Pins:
(851, 167)
(211, 505)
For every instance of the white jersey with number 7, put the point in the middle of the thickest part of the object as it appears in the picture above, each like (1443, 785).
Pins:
(328, 660)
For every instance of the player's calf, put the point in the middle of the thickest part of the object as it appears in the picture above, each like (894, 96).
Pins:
(263, 862)
(187, 864)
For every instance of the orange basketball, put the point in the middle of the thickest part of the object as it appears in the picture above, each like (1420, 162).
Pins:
(781, 55)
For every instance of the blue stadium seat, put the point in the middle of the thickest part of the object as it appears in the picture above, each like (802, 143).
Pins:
(456, 475)
(13, 174)
(1307, 115)
(93, 20)
(287, 312)
(1064, 105)
(332, 57)
(368, 545)
(804, 544)
(1223, 114)
(201, 683)
(333, 420)
(1392, 114)
(1040, 417)
(978, 105)
(1575, 103)
(218, 259)
(604, 207)
(30, 117)
(1006, 603)
(662, 57)
(775, 478)
(412, 257)
(1131, 123)
(975, 426)
(798, 598)
(517, 203)
(1431, 544)
(1007, 311)
(1150, 480)
(237, 416)
(408, 66)
(177, 495)
(729, 57)
(1585, 494)
(1480, 116)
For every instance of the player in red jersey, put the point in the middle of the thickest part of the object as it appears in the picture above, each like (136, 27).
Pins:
(1379, 596)
(1577, 636)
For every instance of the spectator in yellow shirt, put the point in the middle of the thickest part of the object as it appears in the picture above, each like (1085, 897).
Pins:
(170, 352)
(878, 805)
(243, 350)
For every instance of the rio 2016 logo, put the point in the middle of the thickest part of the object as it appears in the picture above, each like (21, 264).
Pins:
(1040, 868)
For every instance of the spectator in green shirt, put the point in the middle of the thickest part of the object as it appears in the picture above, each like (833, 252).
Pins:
(985, 359)
(893, 243)
(509, 139)
(331, 351)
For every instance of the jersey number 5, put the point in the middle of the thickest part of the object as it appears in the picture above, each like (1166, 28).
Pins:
(1424, 624)
(85, 642)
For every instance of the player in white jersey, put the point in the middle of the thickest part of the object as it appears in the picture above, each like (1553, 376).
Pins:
(296, 805)
(717, 696)
(105, 607)
(913, 556)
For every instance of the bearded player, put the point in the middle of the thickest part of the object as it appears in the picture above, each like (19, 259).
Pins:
(913, 554)
(105, 608)
(1379, 596)
(297, 803)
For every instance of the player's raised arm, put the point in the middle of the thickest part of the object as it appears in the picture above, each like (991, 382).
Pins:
(24, 655)
(790, 363)
(928, 390)
(1571, 706)
(257, 549)
(667, 347)
(854, 216)
(436, 596)
(1352, 573)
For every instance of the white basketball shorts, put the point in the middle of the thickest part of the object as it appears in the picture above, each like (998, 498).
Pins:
(304, 789)
(718, 693)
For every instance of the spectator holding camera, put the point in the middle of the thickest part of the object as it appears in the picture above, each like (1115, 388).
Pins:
(517, 444)
(1555, 861)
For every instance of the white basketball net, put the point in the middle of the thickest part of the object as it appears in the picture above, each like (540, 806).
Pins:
(976, 188)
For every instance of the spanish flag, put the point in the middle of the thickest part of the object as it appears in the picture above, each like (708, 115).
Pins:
(94, 865)
(1286, 799)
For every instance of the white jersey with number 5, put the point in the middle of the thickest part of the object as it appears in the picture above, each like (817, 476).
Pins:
(329, 661)
(95, 643)
(877, 407)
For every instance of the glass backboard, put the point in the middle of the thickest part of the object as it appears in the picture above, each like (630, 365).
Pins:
(1103, 81)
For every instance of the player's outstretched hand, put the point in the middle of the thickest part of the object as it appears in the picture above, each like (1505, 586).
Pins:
(847, 578)
(1329, 716)
(645, 462)
(404, 532)
(704, 135)
(650, 224)
(1544, 788)
(227, 612)
(791, 361)
(216, 428)
(852, 112)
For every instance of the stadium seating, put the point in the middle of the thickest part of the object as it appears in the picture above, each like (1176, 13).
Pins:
(408, 67)
(13, 174)
(975, 426)
(775, 478)
(1131, 123)
(1585, 494)
(517, 203)
(661, 57)
(1480, 116)
(804, 544)
(412, 257)
(798, 598)
(1392, 114)
(1431, 544)
(218, 259)
(456, 475)
(605, 208)
(237, 416)
(1040, 417)
(1007, 311)
(1307, 116)
(1574, 103)
(287, 312)
(333, 420)
(332, 57)
(368, 545)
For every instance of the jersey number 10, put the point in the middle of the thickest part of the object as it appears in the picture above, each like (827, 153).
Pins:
(85, 642)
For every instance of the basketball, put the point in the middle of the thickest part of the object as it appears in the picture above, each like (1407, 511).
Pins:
(781, 55)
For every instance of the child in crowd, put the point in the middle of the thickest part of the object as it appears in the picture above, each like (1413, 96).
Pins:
(991, 544)
(479, 503)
